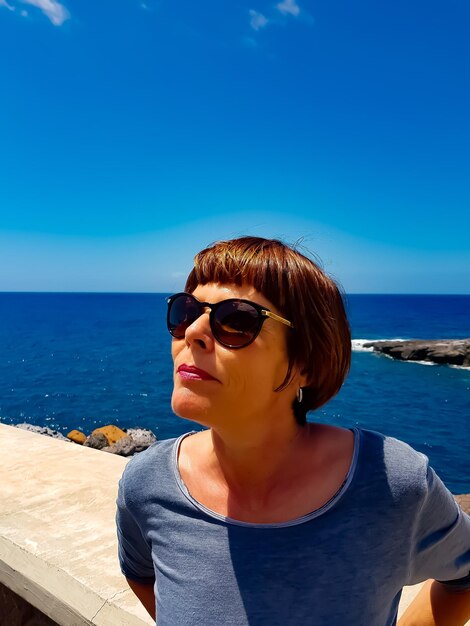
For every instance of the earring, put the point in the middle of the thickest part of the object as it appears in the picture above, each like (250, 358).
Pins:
(300, 395)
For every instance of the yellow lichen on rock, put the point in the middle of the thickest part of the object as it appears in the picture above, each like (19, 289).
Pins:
(111, 432)
(76, 436)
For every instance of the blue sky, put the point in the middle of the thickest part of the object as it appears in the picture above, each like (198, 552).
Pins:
(133, 133)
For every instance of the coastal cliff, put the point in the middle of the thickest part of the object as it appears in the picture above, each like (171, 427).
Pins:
(440, 351)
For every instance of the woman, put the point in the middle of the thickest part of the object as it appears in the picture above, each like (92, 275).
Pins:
(263, 518)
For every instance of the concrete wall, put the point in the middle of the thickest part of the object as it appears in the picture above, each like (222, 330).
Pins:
(57, 534)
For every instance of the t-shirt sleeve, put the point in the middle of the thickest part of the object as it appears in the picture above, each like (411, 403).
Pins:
(134, 552)
(441, 538)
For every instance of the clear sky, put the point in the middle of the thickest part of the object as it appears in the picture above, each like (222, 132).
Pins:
(133, 133)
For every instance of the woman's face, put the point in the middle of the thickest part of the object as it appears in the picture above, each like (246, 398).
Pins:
(215, 385)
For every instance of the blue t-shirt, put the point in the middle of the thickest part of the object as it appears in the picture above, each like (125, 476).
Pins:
(392, 523)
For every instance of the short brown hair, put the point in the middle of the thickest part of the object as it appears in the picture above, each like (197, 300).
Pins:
(320, 342)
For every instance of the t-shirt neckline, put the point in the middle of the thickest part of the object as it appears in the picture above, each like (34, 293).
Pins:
(293, 522)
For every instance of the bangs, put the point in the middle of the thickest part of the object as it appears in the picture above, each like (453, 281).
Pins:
(257, 262)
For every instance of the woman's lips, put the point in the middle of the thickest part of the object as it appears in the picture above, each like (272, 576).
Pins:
(190, 372)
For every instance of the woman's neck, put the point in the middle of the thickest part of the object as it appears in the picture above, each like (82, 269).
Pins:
(255, 462)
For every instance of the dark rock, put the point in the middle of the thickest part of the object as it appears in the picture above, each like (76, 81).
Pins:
(441, 351)
(124, 447)
(42, 430)
(142, 437)
(97, 441)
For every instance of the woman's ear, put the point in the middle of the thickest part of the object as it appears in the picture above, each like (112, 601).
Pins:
(300, 377)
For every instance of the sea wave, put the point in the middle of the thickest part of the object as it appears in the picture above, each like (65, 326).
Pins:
(358, 344)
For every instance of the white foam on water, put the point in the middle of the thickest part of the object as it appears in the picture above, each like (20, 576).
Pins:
(418, 362)
(358, 344)
(460, 367)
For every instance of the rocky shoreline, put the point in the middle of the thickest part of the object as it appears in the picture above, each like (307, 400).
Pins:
(110, 438)
(439, 351)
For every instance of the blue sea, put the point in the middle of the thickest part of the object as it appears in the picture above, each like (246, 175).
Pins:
(84, 360)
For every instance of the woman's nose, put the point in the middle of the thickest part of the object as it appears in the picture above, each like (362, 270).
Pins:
(199, 332)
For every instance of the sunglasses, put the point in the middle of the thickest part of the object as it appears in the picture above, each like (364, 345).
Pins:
(235, 323)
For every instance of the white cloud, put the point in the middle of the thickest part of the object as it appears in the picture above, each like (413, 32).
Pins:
(55, 11)
(257, 20)
(288, 7)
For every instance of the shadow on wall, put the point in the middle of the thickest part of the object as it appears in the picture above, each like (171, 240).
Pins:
(15, 611)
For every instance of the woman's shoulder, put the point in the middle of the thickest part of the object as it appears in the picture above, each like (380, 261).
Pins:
(393, 451)
(376, 470)
(393, 462)
(148, 469)
(371, 447)
(148, 456)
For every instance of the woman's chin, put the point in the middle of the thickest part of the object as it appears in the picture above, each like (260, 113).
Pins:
(191, 406)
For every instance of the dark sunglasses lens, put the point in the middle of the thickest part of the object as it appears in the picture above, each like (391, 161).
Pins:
(182, 312)
(236, 323)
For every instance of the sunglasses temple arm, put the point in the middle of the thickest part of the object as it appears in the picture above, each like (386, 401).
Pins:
(278, 318)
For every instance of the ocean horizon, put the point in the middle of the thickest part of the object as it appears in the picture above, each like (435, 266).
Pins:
(85, 359)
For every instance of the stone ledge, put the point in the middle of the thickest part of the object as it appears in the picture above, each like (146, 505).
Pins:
(57, 532)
